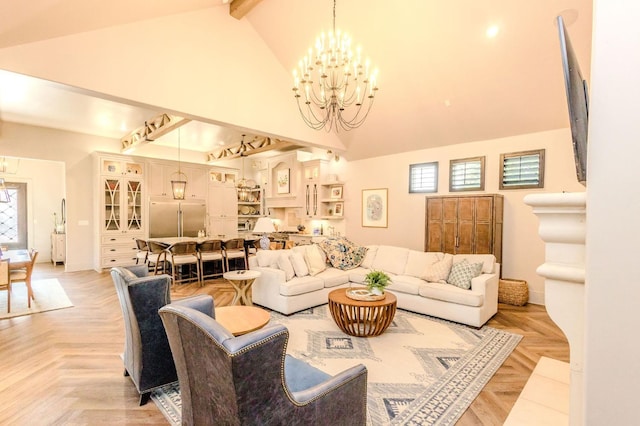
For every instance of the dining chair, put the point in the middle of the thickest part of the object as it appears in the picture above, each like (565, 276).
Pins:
(24, 275)
(5, 280)
(143, 251)
(181, 255)
(210, 251)
(234, 249)
(157, 255)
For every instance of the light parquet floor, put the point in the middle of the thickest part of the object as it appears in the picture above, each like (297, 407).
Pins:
(63, 367)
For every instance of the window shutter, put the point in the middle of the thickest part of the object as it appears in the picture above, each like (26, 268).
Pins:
(522, 170)
(423, 177)
(467, 174)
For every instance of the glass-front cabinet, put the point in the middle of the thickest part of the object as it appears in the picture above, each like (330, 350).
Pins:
(120, 194)
(122, 204)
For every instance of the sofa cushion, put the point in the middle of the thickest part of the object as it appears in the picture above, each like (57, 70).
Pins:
(391, 260)
(333, 277)
(313, 255)
(367, 262)
(301, 285)
(488, 260)
(342, 253)
(299, 264)
(438, 271)
(462, 273)
(405, 284)
(417, 261)
(269, 258)
(357, 275)
(284, 264)
(449, 293)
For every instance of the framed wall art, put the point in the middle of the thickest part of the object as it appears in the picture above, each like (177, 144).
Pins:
(338, 209)
(336, 191)
(283, 181)
(375, 208)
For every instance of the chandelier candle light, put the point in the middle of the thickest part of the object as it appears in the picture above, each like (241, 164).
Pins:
(344, 87)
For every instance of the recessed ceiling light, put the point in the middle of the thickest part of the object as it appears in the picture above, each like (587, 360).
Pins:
(492, 31)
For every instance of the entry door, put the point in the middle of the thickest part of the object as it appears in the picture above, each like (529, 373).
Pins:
(13, 217)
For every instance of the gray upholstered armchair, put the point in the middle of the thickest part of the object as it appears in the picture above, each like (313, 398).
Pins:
(147, 355)
(249, 380)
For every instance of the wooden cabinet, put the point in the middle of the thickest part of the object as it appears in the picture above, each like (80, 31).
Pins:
(464, 224)
(121, 210)
(223, 211)
(58, 248)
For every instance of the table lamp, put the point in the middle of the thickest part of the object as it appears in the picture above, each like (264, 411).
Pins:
(264, 226)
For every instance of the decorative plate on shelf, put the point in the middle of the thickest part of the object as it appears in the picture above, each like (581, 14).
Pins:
(251, 183)
(245, 210)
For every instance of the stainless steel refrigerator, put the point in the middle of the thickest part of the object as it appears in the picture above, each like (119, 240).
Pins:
(176, 218)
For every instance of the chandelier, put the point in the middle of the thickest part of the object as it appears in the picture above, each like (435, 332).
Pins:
(332, 85)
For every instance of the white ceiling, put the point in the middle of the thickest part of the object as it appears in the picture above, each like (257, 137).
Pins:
(442, 80)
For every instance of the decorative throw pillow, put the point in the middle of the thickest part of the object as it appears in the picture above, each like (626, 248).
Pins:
(462, 273)
(438, 271)
(367, 262)
(342, 253)
(299, 265)
(315, 259)
(284, 264)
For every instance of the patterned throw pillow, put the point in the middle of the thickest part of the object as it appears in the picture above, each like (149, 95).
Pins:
(342, 253)
(462, 273)
(439, 271)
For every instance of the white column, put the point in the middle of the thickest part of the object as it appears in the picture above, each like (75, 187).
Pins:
(563, 228)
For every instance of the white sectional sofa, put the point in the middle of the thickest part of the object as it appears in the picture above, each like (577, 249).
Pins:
(412, 274)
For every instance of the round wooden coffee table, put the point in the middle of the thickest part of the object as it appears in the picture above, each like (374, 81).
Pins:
(241, 320)
(242, 281)
(362, 318)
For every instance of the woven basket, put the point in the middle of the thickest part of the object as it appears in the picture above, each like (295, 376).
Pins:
(513, 292)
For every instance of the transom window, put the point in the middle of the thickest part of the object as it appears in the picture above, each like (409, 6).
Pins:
(423, 177)
(523, 169)
(466, 174)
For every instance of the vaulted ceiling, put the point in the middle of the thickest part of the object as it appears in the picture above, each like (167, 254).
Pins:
(442, 79)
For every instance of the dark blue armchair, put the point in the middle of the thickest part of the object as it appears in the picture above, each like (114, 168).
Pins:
(147, 355)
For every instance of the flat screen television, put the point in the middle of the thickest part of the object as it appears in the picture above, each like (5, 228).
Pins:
(577, 100)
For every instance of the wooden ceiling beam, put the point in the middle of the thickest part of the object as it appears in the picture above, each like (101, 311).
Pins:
(240, 8)
(244, 149)
(151, 130)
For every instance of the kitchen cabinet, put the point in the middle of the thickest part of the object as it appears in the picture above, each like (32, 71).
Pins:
(161, 174)
(121, 208)
(465, 224)
(223, 210)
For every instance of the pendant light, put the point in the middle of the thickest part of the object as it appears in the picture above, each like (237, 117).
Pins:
(178, 184)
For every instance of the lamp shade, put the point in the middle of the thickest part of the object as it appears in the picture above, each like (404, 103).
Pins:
(264, 225)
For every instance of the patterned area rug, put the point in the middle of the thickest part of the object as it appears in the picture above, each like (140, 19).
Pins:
(421, 371)
(49, 295)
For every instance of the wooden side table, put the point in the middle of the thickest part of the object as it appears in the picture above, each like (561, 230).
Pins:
(362, 318)
(241, 282)
(241, 320)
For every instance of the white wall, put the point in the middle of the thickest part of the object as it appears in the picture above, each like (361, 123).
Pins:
(523, 251)
(613, 208)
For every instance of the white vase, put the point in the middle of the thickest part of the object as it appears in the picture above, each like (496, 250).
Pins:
(377, 291)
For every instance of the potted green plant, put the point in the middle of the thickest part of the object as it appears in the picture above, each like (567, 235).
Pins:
(377, 281)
